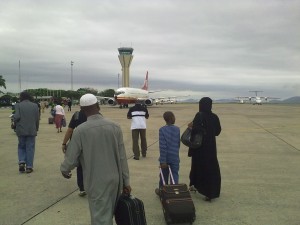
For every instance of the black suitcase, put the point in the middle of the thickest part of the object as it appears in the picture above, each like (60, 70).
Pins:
(130, 211)
(177, 203)
(50, 120)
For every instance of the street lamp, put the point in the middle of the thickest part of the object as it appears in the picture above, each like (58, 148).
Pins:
(72, 75)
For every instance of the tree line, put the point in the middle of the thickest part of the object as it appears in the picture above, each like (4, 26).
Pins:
(40, 92)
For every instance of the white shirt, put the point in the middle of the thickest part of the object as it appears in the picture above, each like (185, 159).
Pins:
(59, 110)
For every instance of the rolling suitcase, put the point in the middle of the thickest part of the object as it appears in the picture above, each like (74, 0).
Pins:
(50, 120)
(177, 203)
(130, 211)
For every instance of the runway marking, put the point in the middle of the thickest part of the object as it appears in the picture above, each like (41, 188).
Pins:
(279, 138)
(62, 198)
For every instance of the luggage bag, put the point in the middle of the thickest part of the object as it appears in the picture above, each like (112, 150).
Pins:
(50, 120)
(130, 211)
(177, 203)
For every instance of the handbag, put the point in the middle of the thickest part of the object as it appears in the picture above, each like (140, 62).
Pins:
(64, 122)
(189, 141)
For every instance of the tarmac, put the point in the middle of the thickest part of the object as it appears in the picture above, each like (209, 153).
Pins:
(258, 152)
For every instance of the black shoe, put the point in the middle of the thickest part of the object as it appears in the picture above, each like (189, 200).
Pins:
(22, 167)
(136, 158)
(29, 170)
(144, 155)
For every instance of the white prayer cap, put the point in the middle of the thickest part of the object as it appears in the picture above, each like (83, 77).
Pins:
(88, 99)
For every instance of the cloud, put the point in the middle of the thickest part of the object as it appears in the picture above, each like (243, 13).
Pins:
(221, 47)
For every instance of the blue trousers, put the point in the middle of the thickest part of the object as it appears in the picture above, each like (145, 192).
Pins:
(166, 173)
(26, 149)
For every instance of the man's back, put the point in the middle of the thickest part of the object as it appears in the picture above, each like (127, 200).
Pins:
(101, 143)
(27, 118)
(138, 114)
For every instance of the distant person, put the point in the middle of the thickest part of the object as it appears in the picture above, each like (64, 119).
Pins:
(98, 145)
(169, 144)
(26, 119)
(77, 119)
(205, 176)
(43, 106)
(138, 113)
(69, 102)
(59, 115)
(39, 106)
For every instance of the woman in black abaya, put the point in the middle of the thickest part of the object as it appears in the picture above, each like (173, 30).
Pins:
(205, 174)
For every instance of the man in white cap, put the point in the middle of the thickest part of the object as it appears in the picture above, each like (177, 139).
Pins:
(98, 145)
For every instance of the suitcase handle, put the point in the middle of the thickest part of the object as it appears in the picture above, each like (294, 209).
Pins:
(170, 174)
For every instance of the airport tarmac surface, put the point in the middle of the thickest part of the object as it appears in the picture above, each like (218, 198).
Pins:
(258, 152)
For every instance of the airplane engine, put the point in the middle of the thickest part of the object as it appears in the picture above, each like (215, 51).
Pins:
(112, 101)
(148, 102)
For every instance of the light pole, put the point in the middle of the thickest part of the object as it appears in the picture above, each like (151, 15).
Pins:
(118, 79)
(72, 75)
(20, 89)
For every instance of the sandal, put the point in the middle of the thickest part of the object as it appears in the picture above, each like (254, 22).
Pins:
(192, 188)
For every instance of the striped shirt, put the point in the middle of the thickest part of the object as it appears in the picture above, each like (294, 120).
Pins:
(169, 144)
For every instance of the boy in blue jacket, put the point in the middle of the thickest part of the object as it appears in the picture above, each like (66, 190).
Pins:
(169, 144)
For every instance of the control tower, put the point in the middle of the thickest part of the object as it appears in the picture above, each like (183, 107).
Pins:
(125, 57)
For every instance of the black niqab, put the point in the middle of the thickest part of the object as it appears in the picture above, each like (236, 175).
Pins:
(205, 104)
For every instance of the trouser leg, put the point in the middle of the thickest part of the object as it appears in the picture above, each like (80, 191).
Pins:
(30, 150)
(135, 143)
(80, 178)
(22, 149)
(143, 141)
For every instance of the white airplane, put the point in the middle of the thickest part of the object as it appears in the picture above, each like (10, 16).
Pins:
(126, 95)
(258, 100)
(168, 100)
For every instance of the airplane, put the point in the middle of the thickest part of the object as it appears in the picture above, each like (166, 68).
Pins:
(257, 99)
(168, 100)
(126, 95)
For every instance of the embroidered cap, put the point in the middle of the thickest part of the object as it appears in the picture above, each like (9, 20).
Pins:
(88, 99)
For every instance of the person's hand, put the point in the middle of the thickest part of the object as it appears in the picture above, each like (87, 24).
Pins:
(64, 148)
(66, 175)
(127, 190)
(163, 165)
(190, 125)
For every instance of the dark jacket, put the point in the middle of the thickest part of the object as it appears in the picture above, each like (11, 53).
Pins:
(26, 118)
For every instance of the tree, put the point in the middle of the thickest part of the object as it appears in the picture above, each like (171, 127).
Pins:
(2, 83)
(107, 93)
(87, 90)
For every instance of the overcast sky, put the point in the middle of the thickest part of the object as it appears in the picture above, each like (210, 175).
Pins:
(220, 49)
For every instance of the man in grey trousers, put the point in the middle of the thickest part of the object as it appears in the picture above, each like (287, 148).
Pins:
(26, 118)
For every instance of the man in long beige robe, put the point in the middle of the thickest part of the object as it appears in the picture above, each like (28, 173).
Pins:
(98, 145)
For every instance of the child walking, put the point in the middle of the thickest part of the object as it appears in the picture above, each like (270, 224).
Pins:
(169, 144)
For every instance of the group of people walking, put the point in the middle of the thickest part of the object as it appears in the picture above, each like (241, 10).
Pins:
(95, 146)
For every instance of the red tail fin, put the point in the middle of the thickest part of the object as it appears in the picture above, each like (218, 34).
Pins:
(145, 86)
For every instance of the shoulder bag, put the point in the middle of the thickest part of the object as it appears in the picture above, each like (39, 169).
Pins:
(189, 141)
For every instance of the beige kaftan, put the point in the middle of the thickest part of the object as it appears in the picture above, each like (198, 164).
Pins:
(98, 144)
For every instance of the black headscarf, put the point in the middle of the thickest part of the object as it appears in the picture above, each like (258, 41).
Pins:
(205, 104)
